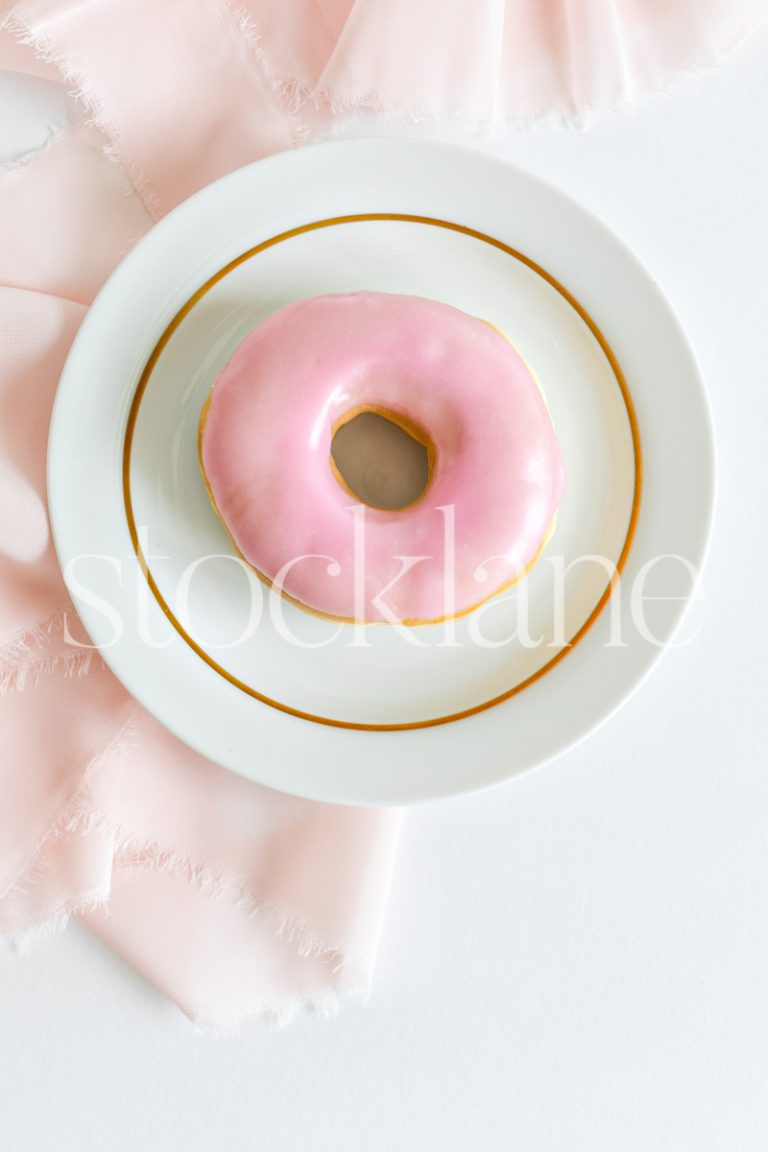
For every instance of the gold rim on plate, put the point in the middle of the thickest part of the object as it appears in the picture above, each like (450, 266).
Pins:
(354, 219)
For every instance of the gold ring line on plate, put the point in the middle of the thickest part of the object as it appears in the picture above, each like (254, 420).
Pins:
(366, 217)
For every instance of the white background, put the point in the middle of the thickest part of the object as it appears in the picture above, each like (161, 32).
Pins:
(577, 961)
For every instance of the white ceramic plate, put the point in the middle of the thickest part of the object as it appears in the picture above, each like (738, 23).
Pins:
(374, 716)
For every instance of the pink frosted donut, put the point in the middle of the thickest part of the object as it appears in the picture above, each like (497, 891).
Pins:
(496, 478)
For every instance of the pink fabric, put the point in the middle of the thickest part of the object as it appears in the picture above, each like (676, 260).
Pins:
(232, 899)
(488, 59)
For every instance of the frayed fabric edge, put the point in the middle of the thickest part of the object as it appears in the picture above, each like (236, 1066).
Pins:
(207, 1022)
(273, 1016)
(75, 664)
(131, 853)
(45, 50)
(52, 924)
(34, 872)
(345, 106)
(288, 95)
(23, 662)
(27, 641)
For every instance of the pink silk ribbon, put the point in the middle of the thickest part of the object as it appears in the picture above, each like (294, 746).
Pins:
(232, 899)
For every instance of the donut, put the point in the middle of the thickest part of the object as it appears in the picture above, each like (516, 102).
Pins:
(452, 382)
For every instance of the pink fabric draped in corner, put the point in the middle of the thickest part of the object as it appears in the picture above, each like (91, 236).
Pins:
(232, 899)
(484, 60)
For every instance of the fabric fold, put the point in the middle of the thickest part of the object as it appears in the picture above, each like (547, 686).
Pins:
(231, 898)
(486, 61)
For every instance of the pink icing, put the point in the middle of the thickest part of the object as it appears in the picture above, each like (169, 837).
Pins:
(498, 473)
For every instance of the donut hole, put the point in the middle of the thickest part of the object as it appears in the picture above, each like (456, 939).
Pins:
(380, 460)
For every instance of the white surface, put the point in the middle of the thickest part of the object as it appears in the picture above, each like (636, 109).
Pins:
(398, 675)
(575, 962)
(35, 112)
